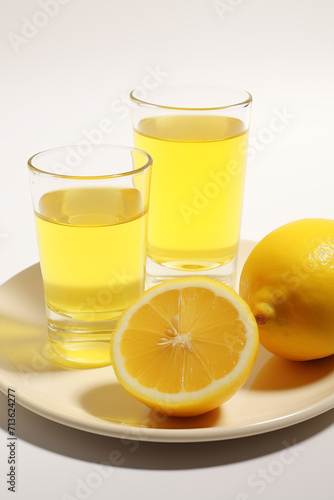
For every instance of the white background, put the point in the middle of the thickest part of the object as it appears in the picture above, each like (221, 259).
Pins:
(60, 81)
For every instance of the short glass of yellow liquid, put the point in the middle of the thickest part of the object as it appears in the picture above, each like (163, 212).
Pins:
(197, 137)
(91, 209)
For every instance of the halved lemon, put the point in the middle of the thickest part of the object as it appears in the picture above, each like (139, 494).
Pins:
(185, 346)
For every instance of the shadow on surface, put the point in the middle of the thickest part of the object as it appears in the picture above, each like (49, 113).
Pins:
(156, 456)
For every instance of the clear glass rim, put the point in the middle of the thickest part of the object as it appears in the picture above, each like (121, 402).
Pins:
(144, 167)
(146, 102)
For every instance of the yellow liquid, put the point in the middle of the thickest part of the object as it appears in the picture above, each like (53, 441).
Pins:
(92, 245)
(196, 188)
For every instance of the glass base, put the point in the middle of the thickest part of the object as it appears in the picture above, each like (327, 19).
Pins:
(84, 342)
(157, 273)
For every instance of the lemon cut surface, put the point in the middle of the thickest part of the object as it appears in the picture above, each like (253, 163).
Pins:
(185, 346)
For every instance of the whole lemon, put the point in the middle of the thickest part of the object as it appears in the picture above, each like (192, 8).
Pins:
(288, 282)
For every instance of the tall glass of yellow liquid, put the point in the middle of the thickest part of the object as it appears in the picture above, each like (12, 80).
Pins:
(197, 138)
(91, 210)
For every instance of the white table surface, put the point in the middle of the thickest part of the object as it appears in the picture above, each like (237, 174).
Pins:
(68, 70)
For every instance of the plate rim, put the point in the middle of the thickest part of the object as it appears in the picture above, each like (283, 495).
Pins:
(151, 434)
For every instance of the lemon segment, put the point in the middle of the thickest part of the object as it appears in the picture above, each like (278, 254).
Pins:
(185, 346)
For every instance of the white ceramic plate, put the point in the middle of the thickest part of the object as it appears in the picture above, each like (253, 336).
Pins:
(278, 393)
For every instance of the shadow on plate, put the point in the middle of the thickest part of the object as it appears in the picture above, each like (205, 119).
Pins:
(25, 344)
(23, 326)
(111, 402)
(281, 374)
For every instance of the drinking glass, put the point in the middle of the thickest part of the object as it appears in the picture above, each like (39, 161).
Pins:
(197, 137)
(91, 209)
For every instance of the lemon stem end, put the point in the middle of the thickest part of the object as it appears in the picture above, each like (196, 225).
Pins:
(263, 312)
